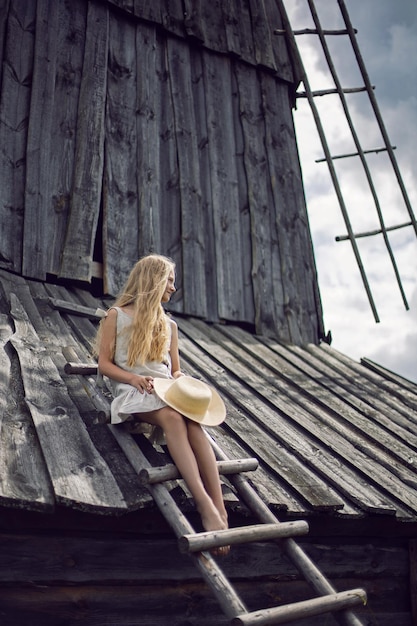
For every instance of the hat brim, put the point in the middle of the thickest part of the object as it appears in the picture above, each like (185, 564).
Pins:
(215, 414)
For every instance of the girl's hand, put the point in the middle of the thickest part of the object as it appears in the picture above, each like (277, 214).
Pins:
(142, 383)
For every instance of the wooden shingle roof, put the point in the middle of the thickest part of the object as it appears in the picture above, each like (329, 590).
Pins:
(336, 439)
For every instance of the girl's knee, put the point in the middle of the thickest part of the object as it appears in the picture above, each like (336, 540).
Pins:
(194, 428)
(171, 419)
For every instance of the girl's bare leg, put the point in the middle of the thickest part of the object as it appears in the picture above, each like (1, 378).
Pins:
(206, 462)
(183, 455)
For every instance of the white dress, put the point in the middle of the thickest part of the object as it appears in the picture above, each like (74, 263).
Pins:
(127, 399)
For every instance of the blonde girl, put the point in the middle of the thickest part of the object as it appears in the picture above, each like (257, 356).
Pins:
(138, 342)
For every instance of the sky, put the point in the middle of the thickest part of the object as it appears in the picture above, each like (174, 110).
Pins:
(387, 39)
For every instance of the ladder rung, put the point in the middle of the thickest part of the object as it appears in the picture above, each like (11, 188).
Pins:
(299, 610)
(152, 475)
(327, 92)
(244, 534)
(353, 154)
(313, 31)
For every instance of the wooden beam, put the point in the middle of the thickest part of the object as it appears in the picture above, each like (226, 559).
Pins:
(244, 534)
(153, 475)
(300, 610)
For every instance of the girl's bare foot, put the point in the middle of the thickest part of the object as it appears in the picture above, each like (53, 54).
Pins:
(212, 519)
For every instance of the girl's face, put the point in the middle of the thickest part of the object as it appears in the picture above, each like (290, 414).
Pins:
(170, 287)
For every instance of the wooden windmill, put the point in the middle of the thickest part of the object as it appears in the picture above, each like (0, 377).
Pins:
(126, 127)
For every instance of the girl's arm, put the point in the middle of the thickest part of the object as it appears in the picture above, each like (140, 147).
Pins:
(106, 364)
(174, 351)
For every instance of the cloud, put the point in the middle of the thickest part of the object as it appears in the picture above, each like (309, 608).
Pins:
(387, 37)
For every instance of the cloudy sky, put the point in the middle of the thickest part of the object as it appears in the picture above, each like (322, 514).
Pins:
(387, 38)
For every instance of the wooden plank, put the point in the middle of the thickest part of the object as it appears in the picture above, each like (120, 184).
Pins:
(81, 327)
(392, 386)
(94, 605)
(230, 222)
(70, 34)
(86, 196)
(192, 219)
(234, 17)
(202, 140)
(76, 309)
(24, 480)
(120, 192)
(272, 488)
(149, 121)
(278, 479)
(339, 387)
(4, 11)
(193, 24)
(312, 384)
(137, 557)
(343, 477)
(173, 17)
(286, 66)
(303, 308)
(17, 52)
(80, 477)
(160, 224)
(148, 10)
(368, 390)
(36, 229)
(125, 5)
(226, 27)
(267, 273)
(159, 605)
(275, 456)
(398, 385)
(329, 430)
(206, 21)
(262, 34)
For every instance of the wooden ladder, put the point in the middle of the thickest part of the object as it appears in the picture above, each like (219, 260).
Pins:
(198, 545)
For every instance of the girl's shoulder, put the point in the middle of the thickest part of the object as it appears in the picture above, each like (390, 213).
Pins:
(114, 310)
(172, 324)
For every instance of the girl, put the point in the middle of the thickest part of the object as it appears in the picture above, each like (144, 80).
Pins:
(137, 342)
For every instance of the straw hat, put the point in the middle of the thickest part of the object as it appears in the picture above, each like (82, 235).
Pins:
(192, 398)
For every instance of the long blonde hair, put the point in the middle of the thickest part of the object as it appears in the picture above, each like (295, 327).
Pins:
(150, 332)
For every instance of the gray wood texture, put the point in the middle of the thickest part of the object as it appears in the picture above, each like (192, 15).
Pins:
(134, 127)
(78, 473)
(77, 255)
(17, 68)
(327, 454)
(327, 442)
(36, 215)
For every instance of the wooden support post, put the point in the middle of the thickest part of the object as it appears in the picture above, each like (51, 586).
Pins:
(244, 534)
(76, 309)
(299, 610)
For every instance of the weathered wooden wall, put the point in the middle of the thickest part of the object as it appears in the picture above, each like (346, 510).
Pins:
(63, 577)
(130, 127)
